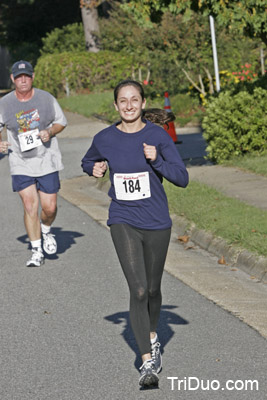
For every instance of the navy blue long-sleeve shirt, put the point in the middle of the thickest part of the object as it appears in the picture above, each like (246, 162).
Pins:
(124, 153)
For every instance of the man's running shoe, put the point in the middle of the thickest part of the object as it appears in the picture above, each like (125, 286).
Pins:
(37, 258)
(156, 356)
(49, 243)
(148, 375)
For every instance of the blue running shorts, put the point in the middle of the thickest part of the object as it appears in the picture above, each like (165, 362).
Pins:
(47, 183)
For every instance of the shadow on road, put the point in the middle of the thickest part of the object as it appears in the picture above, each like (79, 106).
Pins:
(192, 149)
(167, 318)
(65, 239)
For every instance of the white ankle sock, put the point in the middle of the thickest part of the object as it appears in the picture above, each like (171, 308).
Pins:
(36, 244)
(154, 340)
(45, 228)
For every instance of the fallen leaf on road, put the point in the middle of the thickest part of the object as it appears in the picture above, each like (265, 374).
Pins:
(189, 247)
(183, 238)
(233, 269)
(222, 260)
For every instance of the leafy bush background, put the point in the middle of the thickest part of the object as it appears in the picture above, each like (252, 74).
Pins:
(159, 52)
(157, 55)
(68, 72)
(236, 124)
(173, 44)
(67, 38)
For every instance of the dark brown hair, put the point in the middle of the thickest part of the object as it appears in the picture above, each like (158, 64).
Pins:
(158, 116)
(128, 82)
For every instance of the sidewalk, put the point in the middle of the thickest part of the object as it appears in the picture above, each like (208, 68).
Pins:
(244, 186)
(81, 127)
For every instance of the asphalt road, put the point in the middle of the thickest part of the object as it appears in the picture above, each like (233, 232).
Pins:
(65, 331)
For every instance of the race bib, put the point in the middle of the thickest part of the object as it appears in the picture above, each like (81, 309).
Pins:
(132, 186)
(29, 140)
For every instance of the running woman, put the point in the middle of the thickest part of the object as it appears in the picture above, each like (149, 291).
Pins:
(139, 155)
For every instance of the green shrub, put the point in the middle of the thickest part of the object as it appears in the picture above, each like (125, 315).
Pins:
(250, 86)
(70, 73)
(67, 38)
(174, 43)
(236, 124)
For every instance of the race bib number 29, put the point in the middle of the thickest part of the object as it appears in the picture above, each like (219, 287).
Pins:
(132, 186)
(29, 140)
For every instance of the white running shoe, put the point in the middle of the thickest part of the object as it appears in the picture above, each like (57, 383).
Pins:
(148, 375)
(49, 243)
(156, 356)
(37, 258)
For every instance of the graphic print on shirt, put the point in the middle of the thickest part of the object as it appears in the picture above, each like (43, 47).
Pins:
(28, 122)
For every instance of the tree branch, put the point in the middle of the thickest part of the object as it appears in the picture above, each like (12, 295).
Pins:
(211, 86)
(201, 90)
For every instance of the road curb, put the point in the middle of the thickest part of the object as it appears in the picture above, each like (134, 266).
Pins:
(250, 263)
(255, 266)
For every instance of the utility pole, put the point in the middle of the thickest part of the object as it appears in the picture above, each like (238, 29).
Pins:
(214, 50)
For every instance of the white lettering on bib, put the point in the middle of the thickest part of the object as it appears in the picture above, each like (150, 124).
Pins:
(134, 186)
(29, 140)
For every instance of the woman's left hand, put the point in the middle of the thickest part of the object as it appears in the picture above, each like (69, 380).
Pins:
(150, 152)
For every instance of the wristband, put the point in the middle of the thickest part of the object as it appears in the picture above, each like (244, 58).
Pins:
(50, 132)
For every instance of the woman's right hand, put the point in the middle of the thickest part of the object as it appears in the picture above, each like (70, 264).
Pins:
(99, 169)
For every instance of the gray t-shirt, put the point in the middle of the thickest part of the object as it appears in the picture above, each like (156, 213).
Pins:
(40, 112)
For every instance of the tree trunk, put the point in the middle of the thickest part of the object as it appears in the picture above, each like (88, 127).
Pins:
(262, 61)
(90, 24)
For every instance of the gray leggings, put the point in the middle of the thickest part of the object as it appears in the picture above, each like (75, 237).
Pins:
(142, 255)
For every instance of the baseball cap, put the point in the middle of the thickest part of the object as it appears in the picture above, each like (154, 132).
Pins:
(22, 67)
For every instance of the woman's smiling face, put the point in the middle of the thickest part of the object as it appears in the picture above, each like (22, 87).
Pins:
(129, 103)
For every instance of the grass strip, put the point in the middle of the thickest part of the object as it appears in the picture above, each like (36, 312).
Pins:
(252, 163)
(88, 105)
(239, 224)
